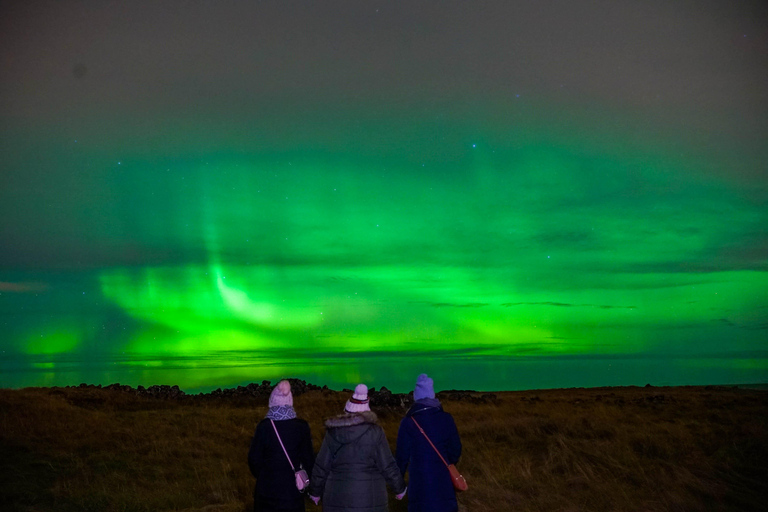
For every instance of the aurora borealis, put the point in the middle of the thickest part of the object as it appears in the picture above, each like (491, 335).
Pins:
(505, 195)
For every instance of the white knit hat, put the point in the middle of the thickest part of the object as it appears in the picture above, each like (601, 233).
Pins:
(359, 400)
(281, 395)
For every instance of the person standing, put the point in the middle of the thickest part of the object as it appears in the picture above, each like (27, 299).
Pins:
(355, 465)
(430, 488)
(275, 489)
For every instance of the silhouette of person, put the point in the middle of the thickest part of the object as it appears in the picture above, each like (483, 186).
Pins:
(355, 464)
(275, 481)
(430, 488)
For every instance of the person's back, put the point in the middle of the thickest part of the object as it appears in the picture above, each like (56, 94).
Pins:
(430, 488)
(355, 463)
(275, 482)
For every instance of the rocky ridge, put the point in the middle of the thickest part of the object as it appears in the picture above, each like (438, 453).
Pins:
(381, 397)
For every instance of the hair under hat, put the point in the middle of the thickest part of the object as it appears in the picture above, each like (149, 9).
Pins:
(281, 395)
(359, 400)
(425, 388)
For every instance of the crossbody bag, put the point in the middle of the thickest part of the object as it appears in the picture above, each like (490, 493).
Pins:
(302, 479)
(459, 482)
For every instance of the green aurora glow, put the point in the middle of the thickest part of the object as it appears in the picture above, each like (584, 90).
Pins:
(495, 244)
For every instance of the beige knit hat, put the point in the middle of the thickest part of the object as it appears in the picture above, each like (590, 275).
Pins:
(281, 395)
(359, 400)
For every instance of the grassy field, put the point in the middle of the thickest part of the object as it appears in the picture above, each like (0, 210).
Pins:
(602, 449)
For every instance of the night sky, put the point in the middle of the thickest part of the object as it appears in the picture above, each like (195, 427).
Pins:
(505, 195)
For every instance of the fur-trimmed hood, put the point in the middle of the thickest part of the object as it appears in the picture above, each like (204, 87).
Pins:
(352, 419)
(348, 428)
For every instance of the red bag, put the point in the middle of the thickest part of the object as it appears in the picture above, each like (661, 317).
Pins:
(459, 482)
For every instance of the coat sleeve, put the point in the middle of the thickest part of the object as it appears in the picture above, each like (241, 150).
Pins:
(386, 464)
(256, 454)
(403, 452)
(307, 453)
(321, 469)
(454, 442)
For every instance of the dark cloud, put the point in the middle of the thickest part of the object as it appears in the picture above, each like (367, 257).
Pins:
(698, 267)
(651, 355)
(755, 327)
(566, 305)
(466, 305)
(749, 326)
(22, 287)
(566, 238)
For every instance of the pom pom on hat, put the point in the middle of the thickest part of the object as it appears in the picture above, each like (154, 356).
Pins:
(359, 400)
(281, 395)
(425, 388)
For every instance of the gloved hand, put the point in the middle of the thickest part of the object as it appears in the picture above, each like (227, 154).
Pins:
(402, 494)
(315, 499)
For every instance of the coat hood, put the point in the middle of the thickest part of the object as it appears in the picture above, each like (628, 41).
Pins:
(351, 419)
(347, 428)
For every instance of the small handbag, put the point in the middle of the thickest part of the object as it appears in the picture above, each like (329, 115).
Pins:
(459, 482)
(302, 479)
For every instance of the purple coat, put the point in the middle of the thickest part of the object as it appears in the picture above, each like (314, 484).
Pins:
(429, 487)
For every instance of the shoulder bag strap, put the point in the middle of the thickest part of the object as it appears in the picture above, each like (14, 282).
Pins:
(281, 444)
(430, 441)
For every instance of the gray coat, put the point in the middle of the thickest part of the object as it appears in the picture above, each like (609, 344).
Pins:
(355, 465)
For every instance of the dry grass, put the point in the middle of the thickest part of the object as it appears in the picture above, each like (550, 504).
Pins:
(612, 449)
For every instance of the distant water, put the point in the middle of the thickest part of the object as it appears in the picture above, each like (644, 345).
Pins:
(205, 372)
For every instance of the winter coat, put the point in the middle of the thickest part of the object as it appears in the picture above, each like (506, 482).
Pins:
(275, 482)
(355, 465)
(430, 488)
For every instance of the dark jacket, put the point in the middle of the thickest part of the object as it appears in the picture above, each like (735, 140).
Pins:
(275, 482)
(429, 485)
(355, 465)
